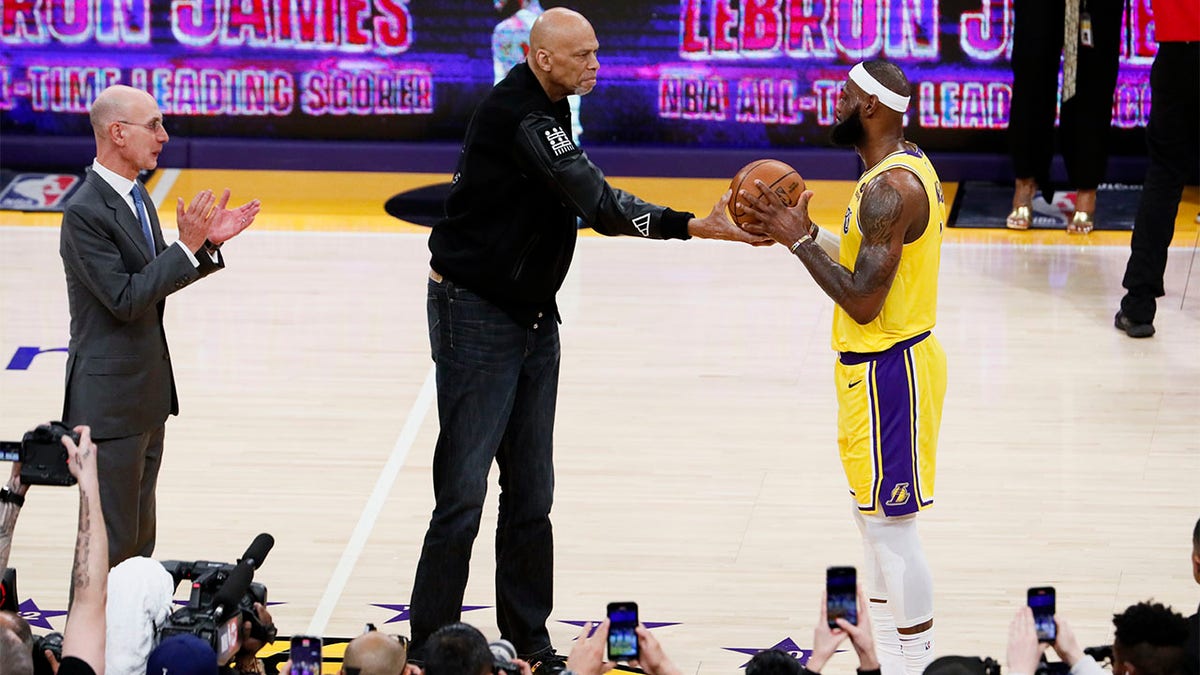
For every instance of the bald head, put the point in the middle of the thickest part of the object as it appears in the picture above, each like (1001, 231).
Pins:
(129, 130)
(375, 653)
(557, 28)
(562, 53)
(116, 103)
(16, 645)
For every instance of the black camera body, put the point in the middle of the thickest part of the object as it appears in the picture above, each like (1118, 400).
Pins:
(206, 616)
(42, 455)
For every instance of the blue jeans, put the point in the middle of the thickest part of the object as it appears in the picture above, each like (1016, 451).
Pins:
(497, 383)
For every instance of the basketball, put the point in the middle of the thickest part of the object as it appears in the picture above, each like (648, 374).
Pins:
(778, 177)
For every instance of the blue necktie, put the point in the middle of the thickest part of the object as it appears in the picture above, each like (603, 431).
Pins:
(141, 213)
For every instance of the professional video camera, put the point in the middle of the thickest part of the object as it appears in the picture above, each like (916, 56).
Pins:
(223, 596)
(42, 455)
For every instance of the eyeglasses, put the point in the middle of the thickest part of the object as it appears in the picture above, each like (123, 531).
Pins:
(153, 126)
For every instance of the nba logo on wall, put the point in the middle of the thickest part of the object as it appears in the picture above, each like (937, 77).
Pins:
(38, 191)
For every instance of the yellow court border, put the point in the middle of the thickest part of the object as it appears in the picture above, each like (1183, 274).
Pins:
(352, 201)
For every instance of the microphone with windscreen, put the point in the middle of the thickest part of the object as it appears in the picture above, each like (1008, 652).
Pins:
(258, 550)
(229, 599)
(223, 596)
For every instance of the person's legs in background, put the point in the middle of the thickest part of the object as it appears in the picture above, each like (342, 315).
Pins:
(1172, 141)
(1087, 117)
(1037, 46)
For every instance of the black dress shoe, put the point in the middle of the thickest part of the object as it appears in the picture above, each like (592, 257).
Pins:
(1132, 328)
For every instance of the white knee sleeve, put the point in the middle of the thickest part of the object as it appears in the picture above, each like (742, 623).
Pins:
(871, 574)
(901, 563)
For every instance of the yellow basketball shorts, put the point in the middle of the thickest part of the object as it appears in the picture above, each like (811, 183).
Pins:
(889, 412)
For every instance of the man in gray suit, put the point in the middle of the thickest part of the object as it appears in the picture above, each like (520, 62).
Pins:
(119, 272)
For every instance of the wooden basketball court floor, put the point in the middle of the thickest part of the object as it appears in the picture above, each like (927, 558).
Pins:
(695, 446)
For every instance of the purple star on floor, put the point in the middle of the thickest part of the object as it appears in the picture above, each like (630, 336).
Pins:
(785, 645)
(36, 616)
(650, 625)
(402, 611)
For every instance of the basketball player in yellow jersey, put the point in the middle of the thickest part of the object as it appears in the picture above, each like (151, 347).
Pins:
(891, 371)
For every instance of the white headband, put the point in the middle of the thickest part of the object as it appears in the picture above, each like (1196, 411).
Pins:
(869, 84)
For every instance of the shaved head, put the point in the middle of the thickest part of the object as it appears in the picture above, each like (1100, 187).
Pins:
(556, 28)
(562, 53)
(375, 653)
(16, 645)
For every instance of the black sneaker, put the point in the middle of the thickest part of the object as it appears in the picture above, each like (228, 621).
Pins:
(547, 662)
(1132, 328)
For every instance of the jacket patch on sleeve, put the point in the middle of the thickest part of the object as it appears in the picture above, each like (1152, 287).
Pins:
(642, 223)
(558, 141)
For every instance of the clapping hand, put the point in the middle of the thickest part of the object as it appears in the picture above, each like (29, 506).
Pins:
(225, 224)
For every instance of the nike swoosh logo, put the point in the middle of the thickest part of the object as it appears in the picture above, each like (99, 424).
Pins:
(854, 384)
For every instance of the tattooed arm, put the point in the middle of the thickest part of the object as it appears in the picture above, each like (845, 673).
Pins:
(84, 634)
(9, 513)
(893, 211)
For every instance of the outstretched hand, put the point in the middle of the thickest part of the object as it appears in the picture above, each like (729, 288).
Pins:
(769, 216)
(225, 224)
(717, 225)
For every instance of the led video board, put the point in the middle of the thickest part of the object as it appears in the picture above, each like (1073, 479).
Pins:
(706, 73)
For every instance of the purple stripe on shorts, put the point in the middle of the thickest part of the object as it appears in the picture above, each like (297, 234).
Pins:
(893, 396)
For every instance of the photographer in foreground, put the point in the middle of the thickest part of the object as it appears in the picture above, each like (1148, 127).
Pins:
(83, 637)
(1148, 640)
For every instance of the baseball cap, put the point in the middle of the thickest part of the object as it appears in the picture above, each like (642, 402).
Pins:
(182, 655)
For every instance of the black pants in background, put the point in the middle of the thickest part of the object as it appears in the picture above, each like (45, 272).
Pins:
(1086, 117)
(1173, 145)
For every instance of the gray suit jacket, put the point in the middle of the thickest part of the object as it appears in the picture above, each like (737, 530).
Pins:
(119, 377)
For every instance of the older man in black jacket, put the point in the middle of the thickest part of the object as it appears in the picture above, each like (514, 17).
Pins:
(499, 258)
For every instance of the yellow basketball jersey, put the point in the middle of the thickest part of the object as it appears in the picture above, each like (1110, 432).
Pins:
(911, 305)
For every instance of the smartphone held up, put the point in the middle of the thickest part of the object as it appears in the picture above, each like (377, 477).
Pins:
(305, 654)
(622, 631)
(1041, 602)
(841, 595)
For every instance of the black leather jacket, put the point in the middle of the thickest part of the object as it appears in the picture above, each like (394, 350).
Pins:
(521, 182)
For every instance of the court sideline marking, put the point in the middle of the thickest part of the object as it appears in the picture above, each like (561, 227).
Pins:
(163, 187)
(370, 513)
